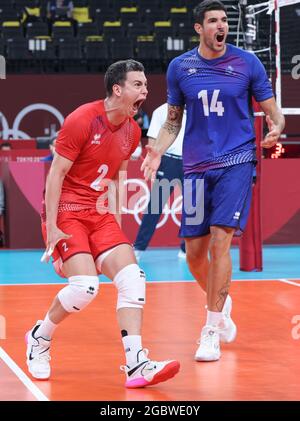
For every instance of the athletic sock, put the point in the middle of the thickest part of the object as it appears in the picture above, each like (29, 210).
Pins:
(132, 345)
(213, 318)
(46, 329)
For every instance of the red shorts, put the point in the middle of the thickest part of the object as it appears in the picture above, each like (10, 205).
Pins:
(91, 232)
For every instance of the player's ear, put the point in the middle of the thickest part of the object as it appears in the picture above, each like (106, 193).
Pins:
(117, 89)
(198, 28)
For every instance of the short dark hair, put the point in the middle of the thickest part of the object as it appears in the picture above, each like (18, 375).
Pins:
(117, 73)
(206, 6)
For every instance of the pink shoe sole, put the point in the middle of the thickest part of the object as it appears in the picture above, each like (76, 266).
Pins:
(167, 373)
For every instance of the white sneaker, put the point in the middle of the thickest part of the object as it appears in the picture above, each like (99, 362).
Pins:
(181, 254)
(209, 349)
(147, 372)
(227, 328)
(38, 354)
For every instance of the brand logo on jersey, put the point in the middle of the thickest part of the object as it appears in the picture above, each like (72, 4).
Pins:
(191, 71)
(96, 140)
(237, 215)
(229, 70)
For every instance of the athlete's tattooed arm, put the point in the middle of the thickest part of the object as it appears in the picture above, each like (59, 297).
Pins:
(170, 129)
(174, 119)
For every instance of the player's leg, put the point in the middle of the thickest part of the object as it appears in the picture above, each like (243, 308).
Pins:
(82, 288)
(230, 202)
(218, 325)
(196, 230)
(79, 268)
(197, 251)
(220, 267)
(197, 258)
(119, 264)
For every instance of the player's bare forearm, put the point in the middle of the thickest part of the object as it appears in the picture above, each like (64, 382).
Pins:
(275, 121)
(170, 129)
(278, 118)
(59, 168)
(271, 109)
(53, 191)
(151, 141)
(52, 195)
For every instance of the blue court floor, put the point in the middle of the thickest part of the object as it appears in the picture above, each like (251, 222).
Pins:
(160, 264)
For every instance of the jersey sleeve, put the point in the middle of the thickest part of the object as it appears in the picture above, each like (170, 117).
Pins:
(260, 85)
(136, 133)
(174, 93)
(72, 136)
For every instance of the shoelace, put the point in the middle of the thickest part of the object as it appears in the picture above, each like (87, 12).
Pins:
(40, 354)
(127, 368)
(151, 365)
(206, 338)
(42, 357)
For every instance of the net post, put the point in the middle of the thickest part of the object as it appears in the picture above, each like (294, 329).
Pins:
(277, 54)
(250, 244)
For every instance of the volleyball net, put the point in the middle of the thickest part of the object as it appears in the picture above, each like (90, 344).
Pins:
(270, 31)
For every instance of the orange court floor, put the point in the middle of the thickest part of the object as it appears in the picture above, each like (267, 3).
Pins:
(261, 364)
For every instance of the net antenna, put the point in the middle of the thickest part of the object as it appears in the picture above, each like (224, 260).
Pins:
(252, 10)
(251, 15)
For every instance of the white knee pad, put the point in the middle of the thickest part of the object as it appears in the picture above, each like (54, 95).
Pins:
(79, 293)
(131, 285)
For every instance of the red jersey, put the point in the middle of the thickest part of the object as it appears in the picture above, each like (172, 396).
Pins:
(97, 149)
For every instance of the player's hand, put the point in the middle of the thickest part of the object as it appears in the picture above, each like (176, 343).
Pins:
(54, 235)
(151, 163)
(272, 136)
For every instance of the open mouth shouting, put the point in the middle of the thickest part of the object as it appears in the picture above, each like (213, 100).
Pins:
(137, 105)
(220, 37)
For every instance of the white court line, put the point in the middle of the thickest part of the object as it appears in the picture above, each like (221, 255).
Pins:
(16, 284)
(37, 393)
(193, 281)
(287, 281)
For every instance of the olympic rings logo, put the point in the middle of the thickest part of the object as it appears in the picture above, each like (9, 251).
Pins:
(15, 131)
(138, 205)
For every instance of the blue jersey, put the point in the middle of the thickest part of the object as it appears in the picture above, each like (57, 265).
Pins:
(219, 128)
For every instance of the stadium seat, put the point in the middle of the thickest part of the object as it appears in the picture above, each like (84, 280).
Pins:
(12, 29)
(113, 29)
(17, 49)
(87, 29)
(147, 48)
(62, 29)
(36, 29)
(81, 14)
(121, 49)
(69, 49)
